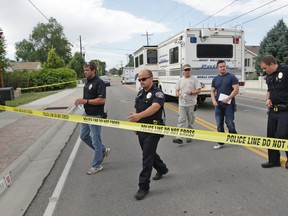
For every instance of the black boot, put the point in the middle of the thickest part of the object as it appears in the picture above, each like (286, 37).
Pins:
(140, 194)
(159, 175)
(270, 164)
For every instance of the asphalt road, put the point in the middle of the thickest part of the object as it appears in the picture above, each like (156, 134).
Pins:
(201, 181)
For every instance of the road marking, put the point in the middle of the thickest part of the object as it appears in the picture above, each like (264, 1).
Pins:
(198, 120)
(212, 127)
(60, 184)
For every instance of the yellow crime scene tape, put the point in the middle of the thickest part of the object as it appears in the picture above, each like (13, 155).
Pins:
(55, 84)
(236, 139)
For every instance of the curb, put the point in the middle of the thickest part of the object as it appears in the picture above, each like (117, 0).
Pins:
(37, 162)
(16, 167)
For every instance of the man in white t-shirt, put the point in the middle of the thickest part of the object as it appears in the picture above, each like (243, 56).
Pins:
(187, 89)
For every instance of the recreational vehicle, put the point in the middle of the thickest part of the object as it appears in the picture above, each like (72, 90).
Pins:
(146, 58)
(201, 48)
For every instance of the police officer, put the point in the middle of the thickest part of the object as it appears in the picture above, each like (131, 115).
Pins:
(149, 107)
(277, 102)
(94, 98)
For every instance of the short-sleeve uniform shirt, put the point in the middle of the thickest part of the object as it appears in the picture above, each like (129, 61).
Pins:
(94, 88)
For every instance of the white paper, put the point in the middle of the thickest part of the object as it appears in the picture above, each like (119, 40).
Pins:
(223, 96)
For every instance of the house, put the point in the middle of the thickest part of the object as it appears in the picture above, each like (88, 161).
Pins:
(251, 53)
(23, 66)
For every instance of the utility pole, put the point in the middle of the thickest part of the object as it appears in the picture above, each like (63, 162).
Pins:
(147, 37)
(81, 54)
(121, 69)
(1, 74)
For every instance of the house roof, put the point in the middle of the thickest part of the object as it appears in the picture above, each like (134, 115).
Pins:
(25, 65)
(254, 50)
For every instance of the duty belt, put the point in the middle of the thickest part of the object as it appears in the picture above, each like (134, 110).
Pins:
(158, 122)
(280, 107)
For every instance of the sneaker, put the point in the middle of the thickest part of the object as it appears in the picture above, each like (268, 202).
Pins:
(177, 140)
(94, 170)
(218, 146)
(140, 194)
(188, 140)
(159, 175)
(106, 153)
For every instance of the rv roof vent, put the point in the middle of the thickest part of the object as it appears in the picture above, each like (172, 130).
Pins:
(204, 33)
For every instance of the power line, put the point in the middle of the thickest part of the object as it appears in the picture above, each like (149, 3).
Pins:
(71, 42)
(168, 13)
(246, 13)
(215, 13)
(38, 10)
(264, 14)
(104, 47)
(187, 11)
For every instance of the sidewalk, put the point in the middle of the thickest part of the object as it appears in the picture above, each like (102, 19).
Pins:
(32, 144)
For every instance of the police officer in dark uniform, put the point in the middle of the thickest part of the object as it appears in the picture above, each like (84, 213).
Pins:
(149, 107)
(94, 98)
(277, 102)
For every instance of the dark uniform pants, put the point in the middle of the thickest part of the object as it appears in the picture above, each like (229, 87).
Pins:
(150, 158)
(277, 128)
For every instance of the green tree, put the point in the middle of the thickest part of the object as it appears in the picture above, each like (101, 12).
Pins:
(113, 71)
(274, 43)
(101, 67)
(3, 61)
(131, 61)
(42, 39)
(2, 50)
(116, 71)
(54, 60)
(76, 63)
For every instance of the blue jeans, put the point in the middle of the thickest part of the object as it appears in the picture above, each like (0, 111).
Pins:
(91, 135)
(225, 111)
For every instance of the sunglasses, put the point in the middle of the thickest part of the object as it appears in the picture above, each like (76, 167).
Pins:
(143, 79)
(187, 69)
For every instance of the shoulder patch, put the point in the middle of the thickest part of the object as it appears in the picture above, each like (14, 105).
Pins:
(159, 95)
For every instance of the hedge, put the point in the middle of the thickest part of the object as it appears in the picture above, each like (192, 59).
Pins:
(26, 79)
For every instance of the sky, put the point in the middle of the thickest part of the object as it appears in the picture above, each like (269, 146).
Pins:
(110, 30)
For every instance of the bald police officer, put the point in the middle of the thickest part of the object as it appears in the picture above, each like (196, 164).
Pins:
(149, 107)
(277, 102)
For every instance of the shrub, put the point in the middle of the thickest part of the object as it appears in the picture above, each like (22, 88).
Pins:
(22, 79)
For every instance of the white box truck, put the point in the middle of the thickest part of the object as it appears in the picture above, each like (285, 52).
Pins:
(128, 75)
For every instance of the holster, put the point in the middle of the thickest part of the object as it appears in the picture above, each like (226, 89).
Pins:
(279, 107)
(159, 122)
